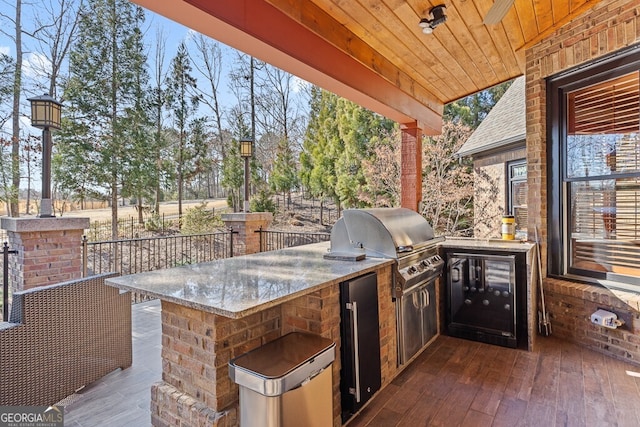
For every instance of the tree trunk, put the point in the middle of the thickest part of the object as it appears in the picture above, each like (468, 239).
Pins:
(15, 140)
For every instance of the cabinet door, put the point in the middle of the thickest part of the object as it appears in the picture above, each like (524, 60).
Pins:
(360, 350)
(429, 313)
(411, 324)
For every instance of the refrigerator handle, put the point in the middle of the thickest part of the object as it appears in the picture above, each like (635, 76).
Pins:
(353, 306)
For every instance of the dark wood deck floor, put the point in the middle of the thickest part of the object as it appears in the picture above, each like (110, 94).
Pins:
(454, 382)
(463, 383)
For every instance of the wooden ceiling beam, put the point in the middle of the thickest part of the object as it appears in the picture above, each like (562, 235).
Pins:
(261, 30)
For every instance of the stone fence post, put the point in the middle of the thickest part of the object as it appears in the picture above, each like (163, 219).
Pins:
(49, 250)
(246, 224)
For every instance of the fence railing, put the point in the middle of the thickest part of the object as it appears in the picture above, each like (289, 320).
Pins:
(129, 256)
(272, 240)
(131, 227)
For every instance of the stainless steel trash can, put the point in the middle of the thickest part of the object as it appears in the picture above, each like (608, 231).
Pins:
(286, 382)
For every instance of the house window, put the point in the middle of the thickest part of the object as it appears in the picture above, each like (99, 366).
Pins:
(517, 194)
(594, 182)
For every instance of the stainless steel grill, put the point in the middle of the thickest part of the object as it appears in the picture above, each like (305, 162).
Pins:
(405, 236)
(395, 233)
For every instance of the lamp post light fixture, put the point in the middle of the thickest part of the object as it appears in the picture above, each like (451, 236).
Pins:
(246, 151)
(45, 115)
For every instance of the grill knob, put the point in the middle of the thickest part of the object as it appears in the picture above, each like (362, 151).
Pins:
(412, 270)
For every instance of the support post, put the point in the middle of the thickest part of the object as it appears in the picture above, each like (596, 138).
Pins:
(411, 167)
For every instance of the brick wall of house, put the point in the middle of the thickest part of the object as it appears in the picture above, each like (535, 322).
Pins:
(571, 306)
(489, 192)
(611, 25)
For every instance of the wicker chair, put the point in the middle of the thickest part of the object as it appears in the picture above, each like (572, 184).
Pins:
(62, 337)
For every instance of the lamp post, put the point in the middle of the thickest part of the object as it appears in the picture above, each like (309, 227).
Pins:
(246, 151)
(45, 114)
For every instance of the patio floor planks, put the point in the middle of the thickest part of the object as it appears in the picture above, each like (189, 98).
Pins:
(123, 397)
(453, 382)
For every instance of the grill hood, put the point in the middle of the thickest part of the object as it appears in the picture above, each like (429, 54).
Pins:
(379, 233)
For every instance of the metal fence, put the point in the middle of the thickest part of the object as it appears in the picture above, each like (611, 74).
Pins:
(130, 256)
(132, 228)
(272, 240)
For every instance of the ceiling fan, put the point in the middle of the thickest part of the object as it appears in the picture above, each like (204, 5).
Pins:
(497, 11)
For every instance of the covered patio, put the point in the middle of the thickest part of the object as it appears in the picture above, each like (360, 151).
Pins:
(453, 382)
(377, 54)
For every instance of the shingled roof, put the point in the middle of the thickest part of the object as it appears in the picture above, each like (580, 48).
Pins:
(504, 125)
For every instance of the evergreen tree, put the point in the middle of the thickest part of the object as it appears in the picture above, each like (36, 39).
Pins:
(323, 146)
(313, 126)
(360, 130)
(233, 175)
(284, 176)
(106, 65)
(471, 110)
(183, 103)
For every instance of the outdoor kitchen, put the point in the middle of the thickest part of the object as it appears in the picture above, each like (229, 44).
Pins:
(383, 263)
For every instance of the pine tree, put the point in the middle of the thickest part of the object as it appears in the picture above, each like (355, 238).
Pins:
(183, 103)
(106, 64)
(284, 176)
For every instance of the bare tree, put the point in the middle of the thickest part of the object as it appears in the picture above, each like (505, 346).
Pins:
(158, 101)
(12, 191)
(56, 24)
(447, 184)
(209, 64)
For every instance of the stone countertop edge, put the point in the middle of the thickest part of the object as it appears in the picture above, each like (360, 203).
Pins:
(488, 244)
(267, 270)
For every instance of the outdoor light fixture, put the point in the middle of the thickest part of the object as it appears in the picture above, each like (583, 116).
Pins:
(45, 115)
(246, 147)
(437, 17)
(246, 151)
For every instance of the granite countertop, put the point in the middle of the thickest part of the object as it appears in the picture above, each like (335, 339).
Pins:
(239, 286)
(488, 244)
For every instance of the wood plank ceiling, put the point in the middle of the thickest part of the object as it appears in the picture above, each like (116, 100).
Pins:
(373, 51)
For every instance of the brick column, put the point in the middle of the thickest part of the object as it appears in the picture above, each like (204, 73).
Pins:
(411, 166)
(246, 224)
(49, 250)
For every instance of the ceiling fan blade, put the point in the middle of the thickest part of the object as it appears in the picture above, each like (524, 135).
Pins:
(497, 11)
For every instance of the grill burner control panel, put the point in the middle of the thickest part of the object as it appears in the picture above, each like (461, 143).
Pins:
(432, 263)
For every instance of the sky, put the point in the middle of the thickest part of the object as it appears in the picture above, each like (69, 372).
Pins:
(33, 62)
(174, 33)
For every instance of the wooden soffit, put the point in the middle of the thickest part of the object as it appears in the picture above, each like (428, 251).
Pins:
(374, 53)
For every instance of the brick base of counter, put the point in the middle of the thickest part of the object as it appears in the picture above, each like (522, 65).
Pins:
(197, 346)
(170, 407)
(570, 306)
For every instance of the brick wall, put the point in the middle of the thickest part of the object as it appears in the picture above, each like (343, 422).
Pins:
(245, 224)
(197, 347)
(196, 350)
(570, 306)
(49, 250)
(611, 25)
